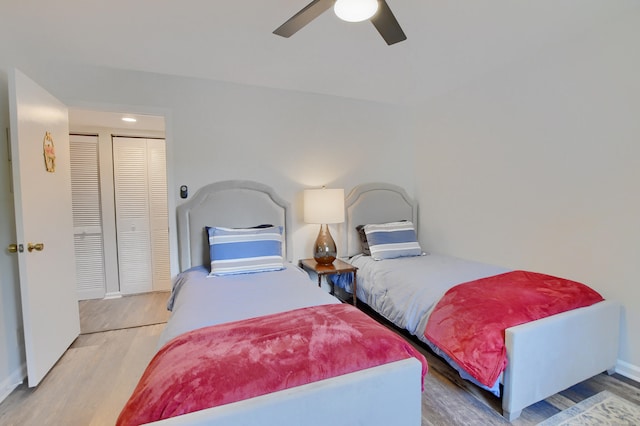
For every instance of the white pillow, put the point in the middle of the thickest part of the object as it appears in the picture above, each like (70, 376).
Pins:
(392, 240)
(245, 250)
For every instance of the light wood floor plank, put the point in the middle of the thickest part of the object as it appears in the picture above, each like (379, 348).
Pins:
(89, 385)
(128, 311)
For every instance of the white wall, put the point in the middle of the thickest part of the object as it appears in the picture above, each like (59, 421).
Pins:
(537, 166)
(218, 131)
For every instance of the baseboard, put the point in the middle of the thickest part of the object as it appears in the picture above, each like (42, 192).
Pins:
(90, 294)
(14, 380)
(628, 370)
(114, 295)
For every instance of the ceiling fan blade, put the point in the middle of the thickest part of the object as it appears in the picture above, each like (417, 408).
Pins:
(387, 25)
(302, 18)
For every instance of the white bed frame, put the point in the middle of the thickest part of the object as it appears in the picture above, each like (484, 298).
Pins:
(384, 395)
(544, 356)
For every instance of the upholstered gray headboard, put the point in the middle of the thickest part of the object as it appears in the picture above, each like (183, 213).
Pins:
(376, 203)
(233, 204)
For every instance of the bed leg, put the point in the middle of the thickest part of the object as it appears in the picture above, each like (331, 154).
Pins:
(511, 415)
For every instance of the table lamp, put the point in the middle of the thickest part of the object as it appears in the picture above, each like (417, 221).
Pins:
(324, 206)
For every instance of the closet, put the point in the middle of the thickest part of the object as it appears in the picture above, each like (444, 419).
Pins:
(134, 195)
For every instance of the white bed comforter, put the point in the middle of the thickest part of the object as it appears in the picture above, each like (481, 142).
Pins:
(403, 290)
(200, 301)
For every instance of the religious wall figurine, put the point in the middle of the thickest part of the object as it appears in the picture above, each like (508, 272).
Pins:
(49, 153)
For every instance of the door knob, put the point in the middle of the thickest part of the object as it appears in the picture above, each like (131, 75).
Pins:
(13, 248)
(37, 247)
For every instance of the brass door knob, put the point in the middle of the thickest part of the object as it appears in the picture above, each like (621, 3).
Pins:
(37, 247)
(13, 248)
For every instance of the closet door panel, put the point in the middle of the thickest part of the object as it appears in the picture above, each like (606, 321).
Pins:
(132, 215)
(158, 214)
(87, 217)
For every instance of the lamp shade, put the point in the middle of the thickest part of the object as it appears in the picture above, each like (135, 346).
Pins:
(324, 205)
(355, 10)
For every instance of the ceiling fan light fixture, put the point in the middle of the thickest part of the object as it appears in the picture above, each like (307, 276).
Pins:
(355, 10)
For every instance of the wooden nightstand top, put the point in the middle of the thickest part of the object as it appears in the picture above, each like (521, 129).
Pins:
(338, 266)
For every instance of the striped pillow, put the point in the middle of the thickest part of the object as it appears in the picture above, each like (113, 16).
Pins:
(245, 250)
(391, 240)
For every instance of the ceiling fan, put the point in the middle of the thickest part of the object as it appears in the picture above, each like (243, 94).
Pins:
(377, 11)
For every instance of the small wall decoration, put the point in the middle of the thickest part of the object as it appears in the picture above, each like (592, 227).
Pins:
(49, 153)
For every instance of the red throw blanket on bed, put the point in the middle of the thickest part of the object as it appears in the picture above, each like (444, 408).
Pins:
(230, 362)
(469, 322)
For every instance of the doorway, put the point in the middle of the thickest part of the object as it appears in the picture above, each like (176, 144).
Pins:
(101, 263)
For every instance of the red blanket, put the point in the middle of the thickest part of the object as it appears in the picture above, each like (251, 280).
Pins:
(469, 322)
(234, 361)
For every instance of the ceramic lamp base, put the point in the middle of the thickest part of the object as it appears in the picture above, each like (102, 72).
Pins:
(324, 249)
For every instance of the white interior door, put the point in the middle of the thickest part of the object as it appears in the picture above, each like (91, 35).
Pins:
(39, 125)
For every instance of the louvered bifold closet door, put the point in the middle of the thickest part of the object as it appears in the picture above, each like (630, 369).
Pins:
(140, 177)
(158, 213)
(132, 215)
(87, 217)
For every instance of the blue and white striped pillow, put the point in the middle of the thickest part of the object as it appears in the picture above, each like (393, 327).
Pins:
(245, 250)
(391, 240)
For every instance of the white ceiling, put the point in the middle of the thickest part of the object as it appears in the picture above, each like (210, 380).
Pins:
(449, 42)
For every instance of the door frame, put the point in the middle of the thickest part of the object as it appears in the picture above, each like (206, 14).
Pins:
(106, 182)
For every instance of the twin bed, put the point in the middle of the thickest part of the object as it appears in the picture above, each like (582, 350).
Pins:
(268, 347)
(544, 356)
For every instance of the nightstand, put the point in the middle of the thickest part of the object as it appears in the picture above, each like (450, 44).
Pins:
(337, 267)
